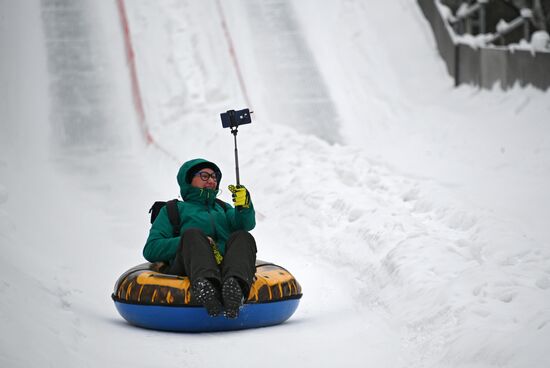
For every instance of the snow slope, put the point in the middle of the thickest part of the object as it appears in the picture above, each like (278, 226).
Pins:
(413, 214)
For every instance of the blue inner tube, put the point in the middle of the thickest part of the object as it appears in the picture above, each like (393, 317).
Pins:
(196, 319)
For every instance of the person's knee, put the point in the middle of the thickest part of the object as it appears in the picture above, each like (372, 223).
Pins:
(242, 238)
(192, 232)
(191, 238)
(243, 234)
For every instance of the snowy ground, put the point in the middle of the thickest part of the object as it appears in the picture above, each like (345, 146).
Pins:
(413, 214)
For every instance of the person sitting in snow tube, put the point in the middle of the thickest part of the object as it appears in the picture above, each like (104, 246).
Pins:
(215, 249)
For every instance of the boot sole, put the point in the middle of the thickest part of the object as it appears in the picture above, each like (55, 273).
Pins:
(232, 295)
(208, 298)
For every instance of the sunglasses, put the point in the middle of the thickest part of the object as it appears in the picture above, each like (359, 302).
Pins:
(205, 176)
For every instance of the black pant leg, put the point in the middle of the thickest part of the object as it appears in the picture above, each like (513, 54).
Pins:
(195, 258)
(240, 259)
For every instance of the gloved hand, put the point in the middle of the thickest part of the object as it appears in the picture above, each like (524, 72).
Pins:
(241, 196)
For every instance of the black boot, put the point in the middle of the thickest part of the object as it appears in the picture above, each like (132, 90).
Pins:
(206, 294)
(233, 297)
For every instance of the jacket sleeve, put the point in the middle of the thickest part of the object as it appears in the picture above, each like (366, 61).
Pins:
(242, 218)
(161, 244)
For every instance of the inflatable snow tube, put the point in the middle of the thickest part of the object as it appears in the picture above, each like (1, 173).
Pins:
(146, 297)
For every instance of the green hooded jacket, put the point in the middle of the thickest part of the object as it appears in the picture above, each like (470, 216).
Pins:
(198, 210)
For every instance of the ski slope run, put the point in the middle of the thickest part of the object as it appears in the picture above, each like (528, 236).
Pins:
(405, 258)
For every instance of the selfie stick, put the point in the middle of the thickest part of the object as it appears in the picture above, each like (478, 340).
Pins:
(232, 119)
(234, 131)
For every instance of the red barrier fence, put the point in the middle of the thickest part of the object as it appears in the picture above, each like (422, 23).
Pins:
(134, 80)
(136, 91)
